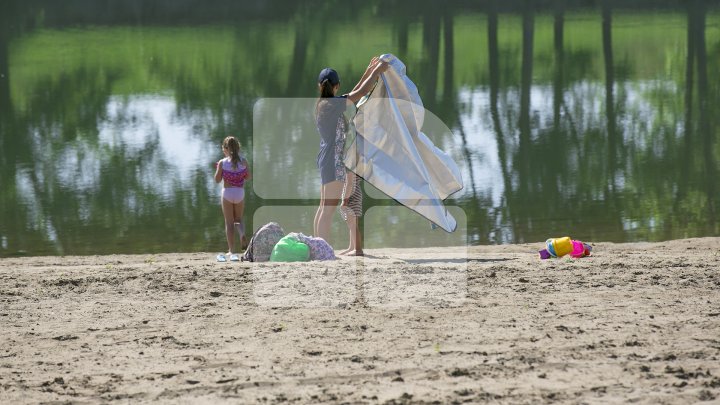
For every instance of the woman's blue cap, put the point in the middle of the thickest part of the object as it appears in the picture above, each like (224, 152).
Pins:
(330, 74)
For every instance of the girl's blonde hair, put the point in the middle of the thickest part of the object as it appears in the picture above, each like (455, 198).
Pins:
(233, 146)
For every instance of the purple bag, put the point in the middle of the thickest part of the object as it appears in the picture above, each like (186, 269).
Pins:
(262, 242)
(319, 249)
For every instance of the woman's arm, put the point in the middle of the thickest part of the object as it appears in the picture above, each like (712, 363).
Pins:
(365, 85)
(373, 63)
(218, 171)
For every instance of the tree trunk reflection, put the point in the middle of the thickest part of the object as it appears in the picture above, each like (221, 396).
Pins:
(494, 71)
(609, 97)
(524, 158)
(706, 129)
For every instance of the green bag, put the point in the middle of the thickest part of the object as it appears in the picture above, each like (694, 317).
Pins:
(289, 249)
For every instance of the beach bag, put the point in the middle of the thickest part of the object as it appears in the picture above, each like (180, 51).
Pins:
(319, 248)
(289, 249)
(262, 243)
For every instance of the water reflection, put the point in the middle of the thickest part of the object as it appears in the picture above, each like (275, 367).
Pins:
(591, 121)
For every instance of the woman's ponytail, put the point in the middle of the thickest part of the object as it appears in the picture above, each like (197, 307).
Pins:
(326, 89)
(327, 80)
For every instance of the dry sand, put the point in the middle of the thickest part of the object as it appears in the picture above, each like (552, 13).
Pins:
(634, 322)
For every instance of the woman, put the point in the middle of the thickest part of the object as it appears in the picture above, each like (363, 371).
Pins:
(332, 126)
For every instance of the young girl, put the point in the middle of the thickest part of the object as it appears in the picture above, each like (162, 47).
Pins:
(233, 171)
(332, 126)
(351, 211)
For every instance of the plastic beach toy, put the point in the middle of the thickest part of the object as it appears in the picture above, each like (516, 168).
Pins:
(559, 247)
(580, 249)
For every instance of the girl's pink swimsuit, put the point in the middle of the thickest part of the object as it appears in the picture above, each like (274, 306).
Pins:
(234, 180)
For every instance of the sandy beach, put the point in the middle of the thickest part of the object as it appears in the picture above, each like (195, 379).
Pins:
(633, 323)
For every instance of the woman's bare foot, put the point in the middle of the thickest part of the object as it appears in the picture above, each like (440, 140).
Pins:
(356, 253)
(346, 251)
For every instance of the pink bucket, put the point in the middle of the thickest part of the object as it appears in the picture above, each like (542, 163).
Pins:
(580, 249)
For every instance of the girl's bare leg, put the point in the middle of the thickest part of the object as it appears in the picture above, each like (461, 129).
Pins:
(238, 210)
(355, 248)
(358, 242)
(351, 222)
(229, 215)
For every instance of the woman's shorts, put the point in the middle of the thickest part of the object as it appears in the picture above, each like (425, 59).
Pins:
(329, 172)
(234, 195)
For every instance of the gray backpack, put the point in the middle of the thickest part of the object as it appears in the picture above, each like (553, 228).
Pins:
(262, 242)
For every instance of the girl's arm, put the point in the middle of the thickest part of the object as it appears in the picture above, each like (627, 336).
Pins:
(365, 85)
(218, 171)
(248, 175)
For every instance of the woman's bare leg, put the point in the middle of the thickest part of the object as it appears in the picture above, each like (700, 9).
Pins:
(331, 197)
(319, 212)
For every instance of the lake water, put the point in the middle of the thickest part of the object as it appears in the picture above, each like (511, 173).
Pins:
(597, 121)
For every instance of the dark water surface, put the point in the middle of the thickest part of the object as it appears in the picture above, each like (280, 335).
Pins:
(599, 120)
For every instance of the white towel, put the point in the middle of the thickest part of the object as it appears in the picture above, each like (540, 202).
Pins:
(391, 152)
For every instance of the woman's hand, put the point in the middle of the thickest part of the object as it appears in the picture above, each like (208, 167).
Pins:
(368, 70)
(381, 67)
(373, 62)
(374, 69)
